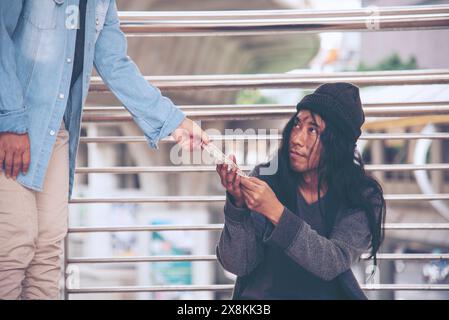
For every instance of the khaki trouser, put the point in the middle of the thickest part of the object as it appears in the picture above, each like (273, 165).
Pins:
(32, 228)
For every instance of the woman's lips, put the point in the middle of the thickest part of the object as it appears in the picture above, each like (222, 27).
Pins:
(297, 155)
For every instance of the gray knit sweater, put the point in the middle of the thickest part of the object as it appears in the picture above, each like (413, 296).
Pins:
(241, 248)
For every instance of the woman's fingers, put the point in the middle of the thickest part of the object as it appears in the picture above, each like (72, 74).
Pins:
(236, 184)
(248, 197)
(249, 184)
(230, 176)
(257, 181)
(246, 194)
(222, 173)
(219, 169)
(227, 177)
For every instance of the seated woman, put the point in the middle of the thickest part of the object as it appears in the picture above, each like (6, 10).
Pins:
(294, 234)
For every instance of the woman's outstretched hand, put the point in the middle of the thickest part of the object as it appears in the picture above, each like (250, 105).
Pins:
(190, 136)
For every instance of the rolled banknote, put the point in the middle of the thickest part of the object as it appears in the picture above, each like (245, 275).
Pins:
(220, 158)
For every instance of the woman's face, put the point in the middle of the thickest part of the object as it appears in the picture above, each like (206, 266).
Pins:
(305, 145)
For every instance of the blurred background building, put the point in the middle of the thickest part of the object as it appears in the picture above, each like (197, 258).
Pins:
(304, 52)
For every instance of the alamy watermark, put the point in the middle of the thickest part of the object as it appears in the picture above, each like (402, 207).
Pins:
(372, 22)
(250, 147)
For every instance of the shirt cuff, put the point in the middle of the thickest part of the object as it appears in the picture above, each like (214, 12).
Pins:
(284, 233)
(173, 122)
(14, 122)
(234, 213)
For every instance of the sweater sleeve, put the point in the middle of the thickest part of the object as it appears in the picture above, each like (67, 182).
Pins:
(240, 248)
(324, 257)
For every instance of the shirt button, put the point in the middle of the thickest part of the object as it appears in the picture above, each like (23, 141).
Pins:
(61, 96)
(69, 60)
(97, 22)
(52, 133)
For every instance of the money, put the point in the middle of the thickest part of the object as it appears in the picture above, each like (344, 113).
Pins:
(220, 158)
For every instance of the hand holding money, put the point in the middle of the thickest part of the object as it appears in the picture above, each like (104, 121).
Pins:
(220, 158)
(230, 179)
(228, 171)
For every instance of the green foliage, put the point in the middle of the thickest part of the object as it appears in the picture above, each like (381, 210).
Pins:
(252, 97)
(393, 62)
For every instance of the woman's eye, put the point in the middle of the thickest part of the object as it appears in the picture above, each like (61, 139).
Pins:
(313, 130)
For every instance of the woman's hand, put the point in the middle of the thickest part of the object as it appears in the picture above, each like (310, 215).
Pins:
(259, 197)
(190, 136)
(231, 181)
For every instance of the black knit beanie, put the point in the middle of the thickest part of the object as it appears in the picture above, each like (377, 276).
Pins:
(338, 103)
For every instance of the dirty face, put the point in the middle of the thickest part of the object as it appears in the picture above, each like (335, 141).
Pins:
(305, 145)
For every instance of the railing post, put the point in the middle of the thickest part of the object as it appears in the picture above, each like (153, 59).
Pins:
(65, 267)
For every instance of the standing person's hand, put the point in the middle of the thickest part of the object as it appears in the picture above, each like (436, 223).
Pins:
(189, 135)
(231, 181)
(261, 198)
(14, 153)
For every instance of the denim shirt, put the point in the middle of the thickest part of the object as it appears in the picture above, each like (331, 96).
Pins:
(37, 45)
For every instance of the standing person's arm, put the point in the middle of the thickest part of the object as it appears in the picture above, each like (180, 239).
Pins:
(155, 114)
(14, 142)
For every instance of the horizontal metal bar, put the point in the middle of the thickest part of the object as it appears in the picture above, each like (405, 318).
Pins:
(383, 256)
(206, 107)
(269, 14)
(219, 227)
(121, 115)
(407, 167)
(143, 259)
(365, 136)
(227, 287)
(140, 139)
(275, 25)
(409, 256)
(219, 199)
(155, 199)
(287, 80)
(151, 228)
(160, 169)
(406, 111)
(204, 168)
(217, 287)
(197, 115)
(293, 75)
(416, 197)
(406, 287)
(417, 226)
(105, 114)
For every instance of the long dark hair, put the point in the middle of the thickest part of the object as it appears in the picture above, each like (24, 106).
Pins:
(341, 167)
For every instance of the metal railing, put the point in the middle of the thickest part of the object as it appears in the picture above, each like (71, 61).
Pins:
(285, 21)
(251, 112)
(266, 22)
(293, 80)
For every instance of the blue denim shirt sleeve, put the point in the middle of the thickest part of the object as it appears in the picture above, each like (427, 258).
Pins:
(155, 114)
(13, 117)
